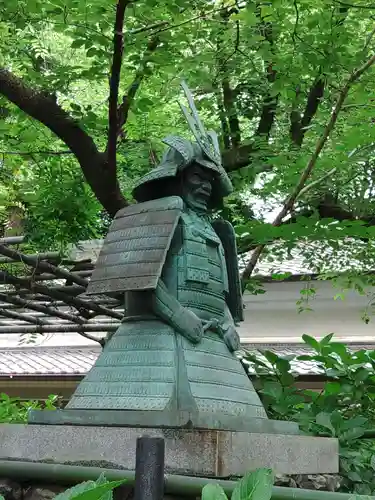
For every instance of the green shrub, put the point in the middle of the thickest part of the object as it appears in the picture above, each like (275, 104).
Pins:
(101, 489)
(256, 485)
(15, 410)
(344, 408)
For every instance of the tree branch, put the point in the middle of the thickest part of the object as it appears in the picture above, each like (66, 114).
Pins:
(80, 305)
(123, 110)
(239, 157)
(316, 182)
(22, 317)
(118, 47)
(229, 9)
(36, 263)
(268, 114)
(228, 112)
(270, 102)
(50, 256)
(289, 202)
(46, 110)
(236, 158)
(230, 108)
(81, 329)
(223, 119)
(298, 129)
(149, 27)
(50, 311)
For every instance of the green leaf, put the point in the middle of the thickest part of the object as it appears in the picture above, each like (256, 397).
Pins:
(91, 52)
(273, 389)
(362, 374)
(283, 366)
(76, 490)
(254, 359)
(305, 357)
(351, 434)
(89, 490)
(255, 485)
(327, 339)
(213, 491)
(332, 388)
(324, 419)
(287, 379)
(266, 11)
(270, 356)
(144, 103)
(339, 349)
(76, 44)
(354, 476)
(311, 342)
(99, 491)
(102, 480)
(363, 490)
(354, 422)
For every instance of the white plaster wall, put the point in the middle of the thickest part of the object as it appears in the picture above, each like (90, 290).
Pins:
(273, 316)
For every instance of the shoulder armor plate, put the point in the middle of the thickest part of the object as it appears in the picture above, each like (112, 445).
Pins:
(136, 246)
(225, 231)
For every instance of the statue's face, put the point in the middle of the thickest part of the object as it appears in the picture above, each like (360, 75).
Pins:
(197, 187)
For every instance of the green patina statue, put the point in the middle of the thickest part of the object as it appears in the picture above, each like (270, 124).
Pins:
(171, 363)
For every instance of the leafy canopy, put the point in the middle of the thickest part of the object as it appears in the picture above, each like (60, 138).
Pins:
(265, 76)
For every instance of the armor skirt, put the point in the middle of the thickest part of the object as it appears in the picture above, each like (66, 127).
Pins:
(160, 378)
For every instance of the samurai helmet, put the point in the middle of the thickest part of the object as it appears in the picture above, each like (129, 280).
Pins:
(182, 153)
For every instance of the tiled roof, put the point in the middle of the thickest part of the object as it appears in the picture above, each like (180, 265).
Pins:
(60, 361)
(298, 367)
(31, 361)
(313, 257)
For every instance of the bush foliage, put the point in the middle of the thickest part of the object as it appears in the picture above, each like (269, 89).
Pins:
(344, 408)
(15, 410)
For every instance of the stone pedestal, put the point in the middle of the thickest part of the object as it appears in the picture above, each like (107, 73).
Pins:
(191, 452)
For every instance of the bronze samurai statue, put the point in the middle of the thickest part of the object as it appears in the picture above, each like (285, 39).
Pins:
(172, 362)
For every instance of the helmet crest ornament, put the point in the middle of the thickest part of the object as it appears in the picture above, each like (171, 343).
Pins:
(208, 141)
(204, 151)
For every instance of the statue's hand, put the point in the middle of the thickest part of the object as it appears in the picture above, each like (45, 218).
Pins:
(189, 325)
(231, 338)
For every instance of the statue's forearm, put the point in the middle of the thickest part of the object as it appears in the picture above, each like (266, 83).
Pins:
(182, 320)
(228, 331)
(165, 305)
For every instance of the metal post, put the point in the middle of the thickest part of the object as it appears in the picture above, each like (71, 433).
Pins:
(149, 469)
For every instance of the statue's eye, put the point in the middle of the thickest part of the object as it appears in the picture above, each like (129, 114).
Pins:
(196, 178)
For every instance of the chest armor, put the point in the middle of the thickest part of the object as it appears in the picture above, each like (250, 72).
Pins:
(201, 270)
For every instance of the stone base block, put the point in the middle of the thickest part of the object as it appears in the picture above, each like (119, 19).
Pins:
(203, 453)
